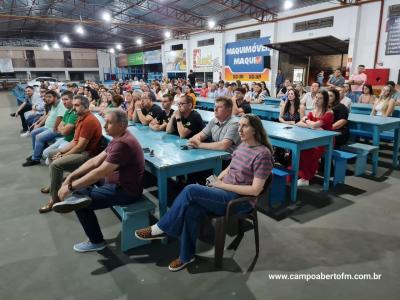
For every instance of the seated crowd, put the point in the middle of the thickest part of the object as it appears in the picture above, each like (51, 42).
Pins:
(67, 135)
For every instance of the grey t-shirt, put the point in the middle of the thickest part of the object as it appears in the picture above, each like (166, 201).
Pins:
(216, 132)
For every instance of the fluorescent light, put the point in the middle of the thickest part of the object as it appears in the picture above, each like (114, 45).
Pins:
(211, 24)
(46, 47)
(79, 29)
(112, 50)
(167, 34)
(118, 46)
(56, 45)
(139, 41)
(288, 4)
(106, 16)
(65, 39)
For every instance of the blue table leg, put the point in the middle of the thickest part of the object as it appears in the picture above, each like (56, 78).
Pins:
(396, 147)
(375, 154)
(218, 167)
(162, 192)
(295, 177)
(327, 166)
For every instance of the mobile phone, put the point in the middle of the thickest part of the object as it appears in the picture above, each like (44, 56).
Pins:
(211, 179)
(288, 127)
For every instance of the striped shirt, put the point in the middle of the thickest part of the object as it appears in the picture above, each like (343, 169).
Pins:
(249, 163)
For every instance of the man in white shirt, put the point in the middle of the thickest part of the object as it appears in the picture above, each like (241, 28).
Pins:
(307, 102)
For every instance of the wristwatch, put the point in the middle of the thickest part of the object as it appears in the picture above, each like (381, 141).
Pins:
(70, 188)
(178, 119)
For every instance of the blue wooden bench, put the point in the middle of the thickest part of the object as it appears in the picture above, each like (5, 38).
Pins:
(362, 151)
(134, 216)
(387, 136)
(277, 191)
(340, 159)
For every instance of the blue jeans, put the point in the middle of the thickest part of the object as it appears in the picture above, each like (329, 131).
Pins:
(31, 118)
(102, 197)
(189, 208)
(58, 144)
(40, 137)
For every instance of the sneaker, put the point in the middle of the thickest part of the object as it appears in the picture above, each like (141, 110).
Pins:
(12, 115)
(145, 235)
(302, 182)
(26, 134)
(177, 264)
(89, 247)
(72, 203)
(30, 163)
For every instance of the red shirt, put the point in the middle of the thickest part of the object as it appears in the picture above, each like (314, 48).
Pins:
(326, 118)
(88, 127)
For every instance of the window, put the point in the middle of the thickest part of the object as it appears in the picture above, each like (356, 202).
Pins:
(248, 35)
(207, 42)
(313, 24)
(30, 58)
(177, 47)
(67, 59)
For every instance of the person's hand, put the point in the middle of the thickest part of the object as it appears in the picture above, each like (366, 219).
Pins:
(36, 126)
(57, 156)
(217, 184)
(195, 143)
(68, 179)
(138, 104)
(177, 114)
(63, 192)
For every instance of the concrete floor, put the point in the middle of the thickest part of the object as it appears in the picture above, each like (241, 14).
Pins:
(354, 231)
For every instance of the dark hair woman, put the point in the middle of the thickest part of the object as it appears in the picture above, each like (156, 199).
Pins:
(340, 116)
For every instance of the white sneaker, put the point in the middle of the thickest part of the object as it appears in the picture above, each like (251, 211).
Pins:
(303, 182)
(26, 134)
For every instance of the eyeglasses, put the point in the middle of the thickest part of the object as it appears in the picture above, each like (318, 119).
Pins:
(182, 103)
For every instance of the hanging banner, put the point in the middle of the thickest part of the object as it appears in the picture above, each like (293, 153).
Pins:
(175, 61)
(393, 36)
(203, 59)
(6, 65)
(135, 59)
(122, 60)
(244, 60)
(152, 57)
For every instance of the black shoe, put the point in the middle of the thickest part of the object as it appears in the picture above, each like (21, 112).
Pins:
(29, 158)
(12, 115)
(31, 162)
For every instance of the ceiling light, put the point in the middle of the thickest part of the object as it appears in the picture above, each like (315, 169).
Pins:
(118, 46)
(112, 50)
(56, 45)
(288, 4)
(79, 29)
(106, 16)
(211, 24)
(167, 34)
(65, 39)
(46, 47)
(139, 41)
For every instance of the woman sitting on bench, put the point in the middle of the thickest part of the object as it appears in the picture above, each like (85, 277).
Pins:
(251, 165)
(340, 116)
(384, 105)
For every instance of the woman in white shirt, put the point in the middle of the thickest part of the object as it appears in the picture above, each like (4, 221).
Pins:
(384, 105)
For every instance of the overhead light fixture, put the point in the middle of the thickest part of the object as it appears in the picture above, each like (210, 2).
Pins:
(56, 45)
(139, 41)
(211, 24)
(167, 34)
(106, 16)
(46, 47)
(112, 50)
(118, 46)
(65, 39)
(288, 4)
(79, 29)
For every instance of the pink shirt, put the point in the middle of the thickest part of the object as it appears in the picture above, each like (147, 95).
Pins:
(358, 77)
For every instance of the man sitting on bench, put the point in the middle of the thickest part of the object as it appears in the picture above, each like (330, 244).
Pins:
(121, 164)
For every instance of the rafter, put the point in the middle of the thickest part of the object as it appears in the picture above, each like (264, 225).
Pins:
(251, 10)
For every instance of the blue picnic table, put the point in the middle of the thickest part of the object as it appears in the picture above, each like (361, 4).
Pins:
(365, 109)
(169, 159)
